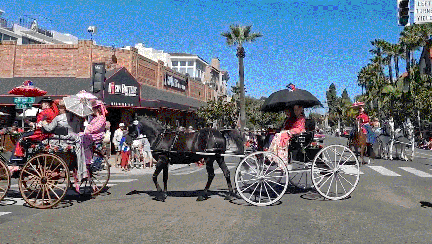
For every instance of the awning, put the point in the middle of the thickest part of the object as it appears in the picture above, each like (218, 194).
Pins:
(155, 98)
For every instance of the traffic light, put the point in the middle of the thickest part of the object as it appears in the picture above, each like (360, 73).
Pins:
(98, 79)
(403, 12)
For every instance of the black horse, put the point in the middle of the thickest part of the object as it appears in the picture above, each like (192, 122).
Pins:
(176, 147)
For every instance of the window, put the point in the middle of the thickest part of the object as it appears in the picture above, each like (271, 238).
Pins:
(190, 72)
(190, 63)
(182, 63)
(183, 70)
(174, 63)
(175, 69)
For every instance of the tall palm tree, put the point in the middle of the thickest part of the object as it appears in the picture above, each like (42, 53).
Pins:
(238, 35)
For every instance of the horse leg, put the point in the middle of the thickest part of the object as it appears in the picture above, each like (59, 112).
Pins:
(159, 166)
(390, 151)
(221, 162)
(210, 173)
(165, 180)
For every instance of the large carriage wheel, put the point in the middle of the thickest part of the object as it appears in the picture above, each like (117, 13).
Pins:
(261, 178)
(335, 172)
(5, 179)
(99, 174)
(44, 180)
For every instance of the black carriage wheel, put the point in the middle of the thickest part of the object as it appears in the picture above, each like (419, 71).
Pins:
(44, 181)
(99, 175)
(5, 179)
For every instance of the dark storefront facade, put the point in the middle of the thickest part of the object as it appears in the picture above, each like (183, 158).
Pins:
(124, 97)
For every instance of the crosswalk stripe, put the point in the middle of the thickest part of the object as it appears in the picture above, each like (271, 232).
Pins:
(383, 170)
(15, 186)
(350, 169)
(188, 172)
(416, 172)
(4, 213)
(123, 180)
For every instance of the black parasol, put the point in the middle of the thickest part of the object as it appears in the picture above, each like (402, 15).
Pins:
(284, 99)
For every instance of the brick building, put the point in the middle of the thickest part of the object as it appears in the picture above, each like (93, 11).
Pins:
(65, 69)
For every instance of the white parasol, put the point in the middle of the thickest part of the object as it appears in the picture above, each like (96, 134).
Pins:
(77, 105)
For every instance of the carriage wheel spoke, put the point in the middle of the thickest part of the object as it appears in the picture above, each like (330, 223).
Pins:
(342, 185)
(318, 183)
(249, 180)
(328, 156)
(268, 167)
(275, 182)
(253, 191)
(248, 187)
(32, 175)
(346, 180)
(272, 188)
(54, 191)
(35, 171)
(324, 161)
(260, 192)
(268, 195)
(328, 190)
(346, 159)
(48, 194)
(251, 167)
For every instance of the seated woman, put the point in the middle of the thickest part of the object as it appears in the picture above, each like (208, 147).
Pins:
(93, 134)
(49, 112)
(294, 124)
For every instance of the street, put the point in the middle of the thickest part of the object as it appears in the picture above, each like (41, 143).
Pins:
(392, 203)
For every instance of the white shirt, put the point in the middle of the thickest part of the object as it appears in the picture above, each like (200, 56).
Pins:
(118, 134)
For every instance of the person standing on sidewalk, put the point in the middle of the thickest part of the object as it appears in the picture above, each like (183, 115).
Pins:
(107, 140)
(125, 145)
(118, 134)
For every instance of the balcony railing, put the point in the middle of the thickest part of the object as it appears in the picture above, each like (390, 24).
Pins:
(27, 23)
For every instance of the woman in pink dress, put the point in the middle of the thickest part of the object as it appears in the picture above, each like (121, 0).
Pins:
(294, 124)
(93, 134)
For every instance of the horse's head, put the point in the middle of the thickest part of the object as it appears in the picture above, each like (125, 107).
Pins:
(151, 128)
(408, 129)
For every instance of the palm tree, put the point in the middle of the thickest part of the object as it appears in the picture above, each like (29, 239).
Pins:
(238, 35)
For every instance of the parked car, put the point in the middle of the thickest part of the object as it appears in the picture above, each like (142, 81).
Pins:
(346, 131)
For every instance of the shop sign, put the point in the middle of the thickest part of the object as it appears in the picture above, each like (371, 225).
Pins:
(173, 82)
(129, 91)
(121, 104)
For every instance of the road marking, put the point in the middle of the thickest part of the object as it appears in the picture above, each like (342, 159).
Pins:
(63, 185)
(4, 213)
(416, 172)
(123, 180)
(383, 171)
(188, 172)
(350, 169)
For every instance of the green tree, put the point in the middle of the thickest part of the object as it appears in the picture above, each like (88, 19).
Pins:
(238, 35)
(345, 96)
(331, 97)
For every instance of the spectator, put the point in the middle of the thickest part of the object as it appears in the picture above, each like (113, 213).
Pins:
(125, 145)
(190, 129)
(107, 140)
(148, 157)
(118, 134)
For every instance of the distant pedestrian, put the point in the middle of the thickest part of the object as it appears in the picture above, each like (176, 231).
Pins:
(118, 134)
(107, 140)
(125, 145)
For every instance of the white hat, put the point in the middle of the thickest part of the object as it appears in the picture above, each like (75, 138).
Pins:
(135, 122)
(121, 125)
(141, 136)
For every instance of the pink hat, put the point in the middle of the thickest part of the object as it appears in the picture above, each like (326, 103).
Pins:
(96, 103)
(358, 104)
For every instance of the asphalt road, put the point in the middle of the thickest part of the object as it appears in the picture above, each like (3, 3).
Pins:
(391, 204)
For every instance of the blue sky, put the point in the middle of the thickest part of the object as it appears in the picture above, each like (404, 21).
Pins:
(310, 43)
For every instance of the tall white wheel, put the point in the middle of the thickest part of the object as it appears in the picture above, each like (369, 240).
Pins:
(261, 178)
(335, 172)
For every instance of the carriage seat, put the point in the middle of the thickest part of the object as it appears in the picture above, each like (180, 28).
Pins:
(304, 139)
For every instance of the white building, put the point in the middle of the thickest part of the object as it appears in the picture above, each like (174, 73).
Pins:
(152, 54)
(28, 31)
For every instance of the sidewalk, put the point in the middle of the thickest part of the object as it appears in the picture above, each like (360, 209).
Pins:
(133, 171)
